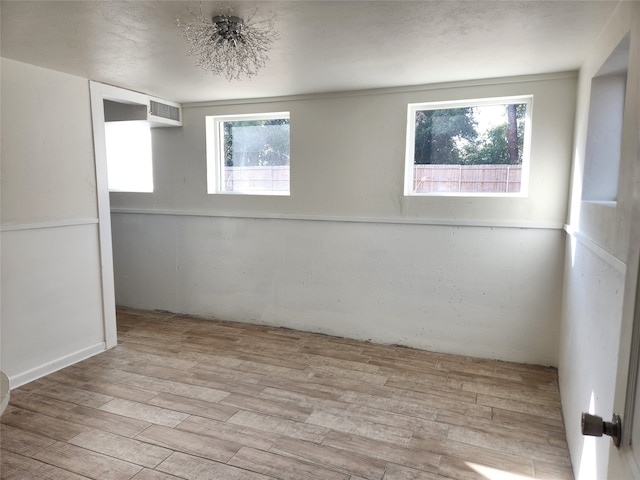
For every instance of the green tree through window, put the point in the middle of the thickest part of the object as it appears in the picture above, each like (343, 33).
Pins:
(256, 142)
(451, 137)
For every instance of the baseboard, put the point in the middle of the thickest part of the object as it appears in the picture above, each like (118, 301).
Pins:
(55, 365)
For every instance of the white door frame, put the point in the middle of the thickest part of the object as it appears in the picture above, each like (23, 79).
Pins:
(99, 93)
(104, 215)
(632, 288)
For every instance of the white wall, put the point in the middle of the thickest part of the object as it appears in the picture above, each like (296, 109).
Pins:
(589, 349)
(51, 304)
(346, 253)
(406, 284)
(348, 154)
(601, 268)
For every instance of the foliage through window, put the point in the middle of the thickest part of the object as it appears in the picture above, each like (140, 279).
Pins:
(477, 147)
(248, 154)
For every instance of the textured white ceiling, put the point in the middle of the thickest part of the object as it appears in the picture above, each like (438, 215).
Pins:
(324, 46)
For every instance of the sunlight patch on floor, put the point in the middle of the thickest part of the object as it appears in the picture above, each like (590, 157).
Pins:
(495, 474)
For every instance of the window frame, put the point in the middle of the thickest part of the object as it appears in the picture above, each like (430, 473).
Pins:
(215, 152)
(412, 108)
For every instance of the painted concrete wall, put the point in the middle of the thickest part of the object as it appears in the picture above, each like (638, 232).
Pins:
(589, 349)
(346, 253)
(51, 304)
(424, 286)
(601, 267)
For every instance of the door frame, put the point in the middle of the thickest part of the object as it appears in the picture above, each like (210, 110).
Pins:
(104, 214)
(628, 382)
(629, 415)
(99, 93)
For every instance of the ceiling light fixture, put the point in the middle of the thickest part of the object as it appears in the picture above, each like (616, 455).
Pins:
(228, 45)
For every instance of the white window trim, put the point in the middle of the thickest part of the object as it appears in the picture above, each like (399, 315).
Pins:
(478, 102)
(215, 151)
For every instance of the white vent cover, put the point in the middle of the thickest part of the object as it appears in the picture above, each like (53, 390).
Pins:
(164, 111)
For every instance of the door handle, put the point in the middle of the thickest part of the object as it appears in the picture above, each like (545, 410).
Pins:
(593, 425)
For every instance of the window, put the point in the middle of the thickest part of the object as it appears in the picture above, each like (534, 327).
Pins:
(469, 147)
(129, 160)
(248, 154)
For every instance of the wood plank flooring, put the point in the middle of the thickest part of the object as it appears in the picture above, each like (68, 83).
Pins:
(186, 398)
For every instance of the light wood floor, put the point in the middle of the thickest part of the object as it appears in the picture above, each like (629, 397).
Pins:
(183, 398)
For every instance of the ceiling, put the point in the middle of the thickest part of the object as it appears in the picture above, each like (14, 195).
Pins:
(324, 46)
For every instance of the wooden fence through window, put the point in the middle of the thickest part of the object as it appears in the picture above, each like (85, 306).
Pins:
(427, 178)
(264, 178)
(467, 178)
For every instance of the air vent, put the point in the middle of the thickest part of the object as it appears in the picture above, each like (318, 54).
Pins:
(164, 111)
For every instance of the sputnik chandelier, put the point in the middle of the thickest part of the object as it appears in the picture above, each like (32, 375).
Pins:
(227, 45)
